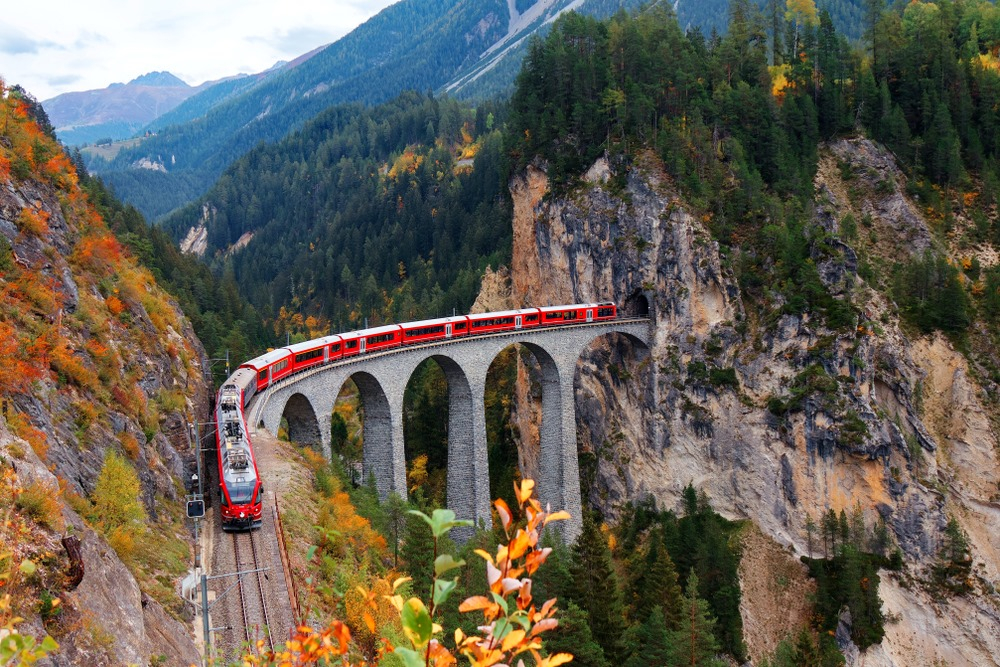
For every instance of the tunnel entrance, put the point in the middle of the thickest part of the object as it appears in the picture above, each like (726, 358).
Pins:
(637, 305)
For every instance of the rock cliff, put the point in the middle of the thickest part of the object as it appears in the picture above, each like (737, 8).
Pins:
(95, 358)
(775, 421)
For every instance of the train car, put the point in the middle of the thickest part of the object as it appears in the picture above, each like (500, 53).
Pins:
(577, 313)
(245, 380)
(240, 489)
(334, 347)
(309, 353)
(269, 367)
(606, 310)
(379, 338)
(507, 320)
(443, 328)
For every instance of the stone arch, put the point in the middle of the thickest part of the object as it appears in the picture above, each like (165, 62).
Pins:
(553, 466)
(467, 465)
(636, 305)
(379, 456)
(303, 425)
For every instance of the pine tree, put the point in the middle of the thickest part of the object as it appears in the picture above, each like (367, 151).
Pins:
(652, 643)
(594, 587)
(655, 584)
(693, 644)
(418, 554)
(574, 636)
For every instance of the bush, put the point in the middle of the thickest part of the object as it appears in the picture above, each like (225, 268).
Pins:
(40, 503)
(117, 510)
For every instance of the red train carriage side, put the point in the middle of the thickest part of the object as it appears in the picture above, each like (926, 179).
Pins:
(309, 353)
(443, 328)
(577, 313)
(606, 311)
(240, 489)
(380, 338)
(507, 320)
(334, 348)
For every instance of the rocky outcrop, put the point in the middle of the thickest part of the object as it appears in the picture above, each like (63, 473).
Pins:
(776, 422)
(105, 619)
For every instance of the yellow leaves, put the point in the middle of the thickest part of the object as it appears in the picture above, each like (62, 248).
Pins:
(781, 81)
(524, 490)
(33, 221)
(556, 660)
(802, 12)
(408, 162)
(417, 475)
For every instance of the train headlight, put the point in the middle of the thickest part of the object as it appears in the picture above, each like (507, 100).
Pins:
(243, 515)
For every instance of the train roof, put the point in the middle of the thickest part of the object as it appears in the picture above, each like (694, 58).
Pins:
(439, 320)
(307, 345)
(372, 332)
(572, 306)
(263, 360)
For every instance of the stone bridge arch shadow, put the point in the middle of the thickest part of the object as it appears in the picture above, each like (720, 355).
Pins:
(457, 422)
(376, 433)
(613, 382)
(303, 423)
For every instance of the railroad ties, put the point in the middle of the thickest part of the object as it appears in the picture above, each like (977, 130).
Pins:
(253, 593)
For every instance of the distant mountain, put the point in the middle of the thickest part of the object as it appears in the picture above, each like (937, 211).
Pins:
(468, 49)
(117, 111)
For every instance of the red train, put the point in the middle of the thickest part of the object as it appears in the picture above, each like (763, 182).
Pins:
(240, 488)
(274, 365)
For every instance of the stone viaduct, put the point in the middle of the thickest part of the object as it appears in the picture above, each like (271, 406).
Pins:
(306, 401)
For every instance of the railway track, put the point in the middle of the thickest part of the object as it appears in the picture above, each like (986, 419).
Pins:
(252, 590)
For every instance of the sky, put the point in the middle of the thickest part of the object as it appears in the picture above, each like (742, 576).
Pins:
(58, 46)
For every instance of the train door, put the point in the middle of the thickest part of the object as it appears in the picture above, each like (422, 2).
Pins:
(517, 322)
(447, 330)
(363, 345)
(590, 314)
(326, 353)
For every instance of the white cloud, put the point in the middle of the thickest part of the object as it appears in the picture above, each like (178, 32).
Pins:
(87, 45)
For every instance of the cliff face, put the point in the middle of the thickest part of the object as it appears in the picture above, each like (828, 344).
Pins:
(897, 427)
(94, 358)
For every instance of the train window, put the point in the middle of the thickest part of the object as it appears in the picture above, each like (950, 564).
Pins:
(335, 347)
(262, 375)
(531, 318)
(374, 340)
(351, 344)
(606, 311)
(460, 325)
(280, 366)
(570, 315)
(553, 316)
(306, 356)
(423, 331)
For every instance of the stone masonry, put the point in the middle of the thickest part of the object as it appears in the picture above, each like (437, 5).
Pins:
(306, 401)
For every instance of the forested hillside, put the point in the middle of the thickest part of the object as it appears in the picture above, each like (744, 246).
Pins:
(381, 215)
(416, 44)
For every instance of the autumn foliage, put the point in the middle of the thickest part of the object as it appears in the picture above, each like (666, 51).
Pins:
(512, 626)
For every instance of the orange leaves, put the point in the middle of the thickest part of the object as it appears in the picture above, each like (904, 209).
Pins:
(115, 305)
(100, 252)
(17, 369)
(512, 630)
